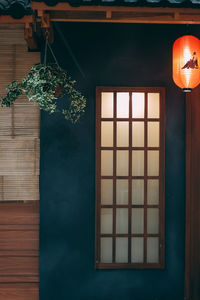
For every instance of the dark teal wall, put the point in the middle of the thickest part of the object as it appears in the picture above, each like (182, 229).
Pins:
(118, 55)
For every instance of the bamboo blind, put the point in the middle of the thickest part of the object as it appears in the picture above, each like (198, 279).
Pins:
(19, 125)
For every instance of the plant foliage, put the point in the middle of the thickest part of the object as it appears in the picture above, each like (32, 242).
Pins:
(41, 86)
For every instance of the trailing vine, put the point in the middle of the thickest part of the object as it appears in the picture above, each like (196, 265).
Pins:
(44, 84)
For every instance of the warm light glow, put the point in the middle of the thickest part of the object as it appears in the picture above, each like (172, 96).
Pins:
(186, 62)
(107, 105)
(122, 105)
(129, 144)
(187, 72)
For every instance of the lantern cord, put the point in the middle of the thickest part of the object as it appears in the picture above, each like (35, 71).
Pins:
(187, 29)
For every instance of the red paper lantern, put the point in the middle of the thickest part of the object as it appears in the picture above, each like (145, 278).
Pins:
(186, 62)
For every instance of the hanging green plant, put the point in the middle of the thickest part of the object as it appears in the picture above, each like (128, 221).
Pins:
(44, 85)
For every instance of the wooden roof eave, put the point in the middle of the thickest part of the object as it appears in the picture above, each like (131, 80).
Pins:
(63, 12)
(8, 19)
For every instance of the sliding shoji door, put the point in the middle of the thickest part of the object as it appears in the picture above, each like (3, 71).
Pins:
(130, 177)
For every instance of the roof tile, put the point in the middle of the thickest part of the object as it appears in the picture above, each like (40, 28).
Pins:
(19, 8)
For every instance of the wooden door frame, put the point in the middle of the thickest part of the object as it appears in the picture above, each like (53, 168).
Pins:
(160, 177)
